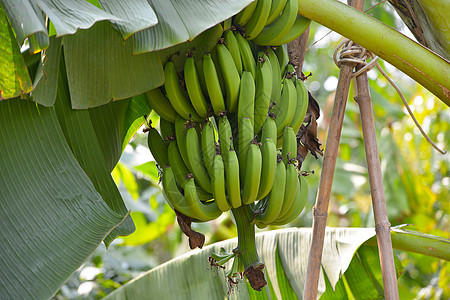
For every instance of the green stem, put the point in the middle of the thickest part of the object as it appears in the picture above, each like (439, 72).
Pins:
(417, 61)
(246, 249)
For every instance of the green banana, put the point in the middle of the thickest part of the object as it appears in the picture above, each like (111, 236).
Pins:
(276, 75)
(157, 147)
(161, 105)
(258, 19)
(180, 133)
(181, 171)
(289, 72)
(194, 88)
(246, 102)
(177, 96)
(274, 201)
(230, 75)
(232, 179)
(253, 175)
(269, 165)
(269, 130)
(201, 75)
(300, 25)
(296, 208)
(208, 145)
(291, 188)
(271, 34)
(275, 10)
(289, 148)
(167, 129)
(284, 110)
(218, 184)
(215, 59)
(225, 136)
(213, 84)
(245, 137)
(283, 57)
(202, 211)
(233, 47)
(302, 105)
(244, 15)
(263, 85)
(173, 195)
(248, 61)
(194, 155)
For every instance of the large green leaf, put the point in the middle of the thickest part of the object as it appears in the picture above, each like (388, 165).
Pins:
(52, 217)
(15, 79)
(100, 68)
(28, 22)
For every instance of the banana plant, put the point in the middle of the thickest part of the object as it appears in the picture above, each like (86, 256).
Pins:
(63, 128)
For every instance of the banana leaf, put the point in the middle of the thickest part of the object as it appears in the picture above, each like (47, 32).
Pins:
(350, 266)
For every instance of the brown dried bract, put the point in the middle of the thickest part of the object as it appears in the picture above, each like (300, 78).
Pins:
(196, 239)
(255, 276)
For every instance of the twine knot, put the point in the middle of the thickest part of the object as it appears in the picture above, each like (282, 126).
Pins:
(355, 54)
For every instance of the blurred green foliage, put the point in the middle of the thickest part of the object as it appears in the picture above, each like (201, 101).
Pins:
(416, 181)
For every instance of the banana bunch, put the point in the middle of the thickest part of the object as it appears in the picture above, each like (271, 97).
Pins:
(272, 22)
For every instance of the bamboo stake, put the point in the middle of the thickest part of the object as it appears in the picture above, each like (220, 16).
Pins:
(382, 225)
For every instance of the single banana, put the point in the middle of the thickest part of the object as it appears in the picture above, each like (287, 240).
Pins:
(283, 57)
(300, 25)
(218, 184)
(202, 211)
(276, 75)
(208, 145)
(302, 105)
(180, 133)
(194, 88)
(173, 195)
(177, 96)
(233, 47)
(233, 186)
(181, 171)
(271, 34)
(248, 61)
(225, 136)
(253, 175)
(157, 147)
(289, 148)
(258, 19)
(269, 165)
(161, 105)
(269, 130)
(275, 10)
(167, 129)
(215, 59)
(245, 137)
(284, 110)
(194, 155)
(230, 76)
(246, 102)
(301, 198)
(244, 15)
(213, 84)
(274, 201)
(201, 75)
(291, 188)
(263, 85)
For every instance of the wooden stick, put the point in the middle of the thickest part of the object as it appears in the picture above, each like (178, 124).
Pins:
(320, 209)
(382, 225)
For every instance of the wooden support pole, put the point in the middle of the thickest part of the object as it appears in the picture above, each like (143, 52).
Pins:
(382, 225)
(320, 209)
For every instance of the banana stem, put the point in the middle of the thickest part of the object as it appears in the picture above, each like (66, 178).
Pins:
(424, 66)
(246, 248)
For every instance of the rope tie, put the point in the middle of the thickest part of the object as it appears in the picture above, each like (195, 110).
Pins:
(352, 53)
